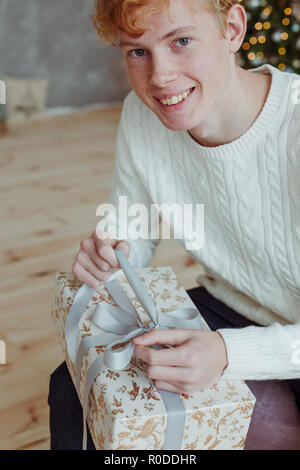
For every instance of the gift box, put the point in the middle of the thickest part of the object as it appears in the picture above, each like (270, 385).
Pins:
(125, 410)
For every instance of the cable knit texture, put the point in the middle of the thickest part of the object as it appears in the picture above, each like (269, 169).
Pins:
(250, 189)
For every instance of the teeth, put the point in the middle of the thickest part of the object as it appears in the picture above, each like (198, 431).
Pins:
(175, 99)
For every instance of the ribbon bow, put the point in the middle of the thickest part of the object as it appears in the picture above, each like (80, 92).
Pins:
(122, 323)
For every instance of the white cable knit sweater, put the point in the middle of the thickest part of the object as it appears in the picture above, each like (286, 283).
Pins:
(250, 189)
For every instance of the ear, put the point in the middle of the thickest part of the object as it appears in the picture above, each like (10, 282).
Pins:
(235, 27)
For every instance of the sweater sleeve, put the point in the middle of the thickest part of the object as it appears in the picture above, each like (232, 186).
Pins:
(272, 352)
(128, 185)
(262, 353)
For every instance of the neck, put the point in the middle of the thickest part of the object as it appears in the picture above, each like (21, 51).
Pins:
(234, 114)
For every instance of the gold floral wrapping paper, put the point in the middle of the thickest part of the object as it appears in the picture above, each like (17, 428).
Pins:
(126, 410)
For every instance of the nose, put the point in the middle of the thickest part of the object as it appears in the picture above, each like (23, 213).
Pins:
(163, 71)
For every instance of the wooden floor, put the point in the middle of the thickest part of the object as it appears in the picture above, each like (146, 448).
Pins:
(53, 174)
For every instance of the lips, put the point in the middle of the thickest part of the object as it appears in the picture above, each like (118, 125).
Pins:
(171, 95)
(176, 102)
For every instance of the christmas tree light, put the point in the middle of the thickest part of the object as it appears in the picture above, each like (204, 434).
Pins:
(273, 34)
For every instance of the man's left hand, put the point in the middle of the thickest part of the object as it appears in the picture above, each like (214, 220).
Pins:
(195, 361)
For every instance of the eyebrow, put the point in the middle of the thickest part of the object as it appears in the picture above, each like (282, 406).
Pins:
(180, 30)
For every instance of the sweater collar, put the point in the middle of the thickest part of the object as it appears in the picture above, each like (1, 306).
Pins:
(275, 100)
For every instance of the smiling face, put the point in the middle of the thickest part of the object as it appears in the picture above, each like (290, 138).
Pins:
(181, 68)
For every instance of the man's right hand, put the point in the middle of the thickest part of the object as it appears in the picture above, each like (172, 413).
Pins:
(96, 259)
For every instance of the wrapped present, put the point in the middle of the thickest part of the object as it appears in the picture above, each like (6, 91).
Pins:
(122, 406)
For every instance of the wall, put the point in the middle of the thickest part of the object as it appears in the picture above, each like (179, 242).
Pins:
(55, 39)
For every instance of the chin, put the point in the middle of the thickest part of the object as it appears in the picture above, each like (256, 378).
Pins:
(177, 126)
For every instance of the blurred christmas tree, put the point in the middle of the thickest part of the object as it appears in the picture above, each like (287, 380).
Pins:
(273, 34)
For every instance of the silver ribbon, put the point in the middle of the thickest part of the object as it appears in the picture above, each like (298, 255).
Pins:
(122, 323)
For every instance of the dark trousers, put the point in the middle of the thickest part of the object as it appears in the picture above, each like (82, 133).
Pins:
(65, 408)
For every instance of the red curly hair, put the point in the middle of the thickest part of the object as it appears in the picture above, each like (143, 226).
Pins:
(131, 16)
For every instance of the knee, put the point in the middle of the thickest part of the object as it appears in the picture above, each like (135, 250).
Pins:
(60, 384)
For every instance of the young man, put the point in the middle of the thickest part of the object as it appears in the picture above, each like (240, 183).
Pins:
(197, 128)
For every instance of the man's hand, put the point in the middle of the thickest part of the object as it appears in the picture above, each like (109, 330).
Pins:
(96, 259)
(196, 360)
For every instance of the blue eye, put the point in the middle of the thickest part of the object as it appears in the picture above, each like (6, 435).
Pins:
(138, 52)
(183, 41)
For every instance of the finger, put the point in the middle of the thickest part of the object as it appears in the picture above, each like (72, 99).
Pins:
(84, 260)
(164, 357)
(99, 262)
(103, 238)
(167, 386)
(84, 276)
(124, 246)
(173, 337)
(108, 254)
(105, 248)
(170, 374)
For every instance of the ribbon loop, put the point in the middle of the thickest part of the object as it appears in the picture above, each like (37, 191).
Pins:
(114, 320)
